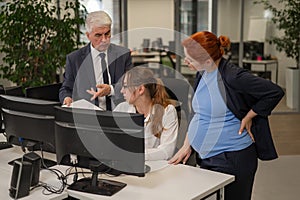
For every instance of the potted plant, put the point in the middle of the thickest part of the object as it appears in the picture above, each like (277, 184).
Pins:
(286, 17)
(35, 37)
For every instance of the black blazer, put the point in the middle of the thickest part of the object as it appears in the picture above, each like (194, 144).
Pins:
(243, 91)
(79, 73)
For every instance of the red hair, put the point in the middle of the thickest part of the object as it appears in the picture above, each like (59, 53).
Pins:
(204, 45)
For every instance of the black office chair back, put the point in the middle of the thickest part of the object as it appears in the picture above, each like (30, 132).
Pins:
(180, 90)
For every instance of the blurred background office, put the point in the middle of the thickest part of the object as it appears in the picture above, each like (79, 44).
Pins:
(150, 25)
(243, 21)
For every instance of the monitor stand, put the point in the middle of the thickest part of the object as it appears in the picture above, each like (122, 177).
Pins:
(5, 145)
(147, 168)
(47, 163)
(97, 186)
(31, 147)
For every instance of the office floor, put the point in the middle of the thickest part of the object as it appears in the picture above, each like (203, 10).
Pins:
(283, 108)
(280, 179)
(285, 127)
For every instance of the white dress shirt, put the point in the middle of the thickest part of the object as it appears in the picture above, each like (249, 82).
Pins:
(98, 74)
(157, 148)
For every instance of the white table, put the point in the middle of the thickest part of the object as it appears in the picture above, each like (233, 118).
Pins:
(7, 155)
(146, 57)
(180, 182)
(170, 182)
(265, 63)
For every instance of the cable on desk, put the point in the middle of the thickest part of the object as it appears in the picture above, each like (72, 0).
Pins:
(42, 160)
(75, 173)
(50, 189)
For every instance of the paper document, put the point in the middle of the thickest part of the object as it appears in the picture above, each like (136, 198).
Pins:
(84, 104)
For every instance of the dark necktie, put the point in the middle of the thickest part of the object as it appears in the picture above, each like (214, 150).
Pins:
(105, 79)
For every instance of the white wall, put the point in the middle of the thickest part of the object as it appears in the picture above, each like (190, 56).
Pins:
(143, 14)
(228, 19)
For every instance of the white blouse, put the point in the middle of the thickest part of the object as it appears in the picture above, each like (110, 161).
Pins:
(157, 148)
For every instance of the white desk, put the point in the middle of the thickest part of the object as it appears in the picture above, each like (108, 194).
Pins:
(146, 57)
(265, 63)
(7, 155)
(172, 182)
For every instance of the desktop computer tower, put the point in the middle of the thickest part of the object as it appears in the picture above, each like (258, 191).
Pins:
(20, 179)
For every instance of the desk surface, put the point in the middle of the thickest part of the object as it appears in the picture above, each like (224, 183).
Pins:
(7, 155)
(171, 182)
(147, 54)
(265, 63)
(260, 61)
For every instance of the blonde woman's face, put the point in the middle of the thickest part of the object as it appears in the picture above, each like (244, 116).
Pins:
(129, 92)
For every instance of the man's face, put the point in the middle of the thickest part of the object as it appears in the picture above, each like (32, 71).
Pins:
(100, 37)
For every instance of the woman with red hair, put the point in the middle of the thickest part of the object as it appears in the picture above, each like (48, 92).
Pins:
(230, 128)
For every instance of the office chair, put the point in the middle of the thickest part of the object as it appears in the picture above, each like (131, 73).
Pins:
(167, 60)
(180, 90)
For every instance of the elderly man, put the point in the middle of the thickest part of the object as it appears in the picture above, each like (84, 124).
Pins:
(93, 71)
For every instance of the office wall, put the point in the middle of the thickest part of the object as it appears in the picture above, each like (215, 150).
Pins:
(143, 14)
(229, 19)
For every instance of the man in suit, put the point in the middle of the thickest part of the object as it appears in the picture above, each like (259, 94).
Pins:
(92, 72)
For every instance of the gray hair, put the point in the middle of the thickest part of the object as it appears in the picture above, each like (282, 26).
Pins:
(97, 19)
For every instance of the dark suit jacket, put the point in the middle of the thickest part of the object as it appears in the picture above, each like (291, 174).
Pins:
(79, 73)
(243, 91)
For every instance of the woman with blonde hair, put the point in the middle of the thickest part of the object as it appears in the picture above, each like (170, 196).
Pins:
(230, 127)
(146, 95)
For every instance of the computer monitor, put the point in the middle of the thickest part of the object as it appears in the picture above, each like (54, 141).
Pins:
(234, 49)
(146, 44)
(14, 91)
(29, 122)
(46, 92)
(252, 49)
(102, 141)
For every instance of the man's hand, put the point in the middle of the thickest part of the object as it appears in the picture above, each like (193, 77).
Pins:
(67, 101)
(103, 90)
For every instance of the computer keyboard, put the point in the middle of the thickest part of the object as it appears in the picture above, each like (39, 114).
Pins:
(4, 145)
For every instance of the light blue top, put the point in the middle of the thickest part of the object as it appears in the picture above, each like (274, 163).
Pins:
(214, 128)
